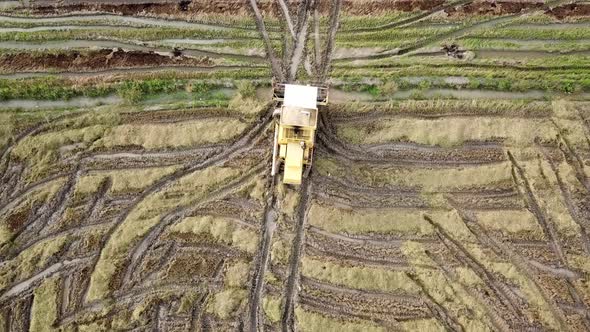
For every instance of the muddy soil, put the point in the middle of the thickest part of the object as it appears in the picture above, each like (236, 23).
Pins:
(184, 8)
(190, 9)
(492, 8)
(93, 60)
(570, 10)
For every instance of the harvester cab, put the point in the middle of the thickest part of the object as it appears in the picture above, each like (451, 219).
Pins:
(296, 122)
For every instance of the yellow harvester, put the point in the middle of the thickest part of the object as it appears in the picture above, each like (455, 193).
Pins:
(297, 120)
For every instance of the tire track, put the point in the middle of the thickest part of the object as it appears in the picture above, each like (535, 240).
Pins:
(363, 240)
(270, 53)
(451, 35)
(410, 20)
(268, 226)
(76, 231)
(64, 198)
(35, 130)
(504, 251)
(49, 212)
(315, 250)
(336, 309)
(133, 296)
(572, 158)
(441, 314)
(414, 154)
(99, 200)
(334, 25)
(499, 323)
(287, 316)
(371, 295)
(24, 285)
(244, 143)
(518, 173)
(297, 52)
(567, 197)
(511, 305)
(138, 253)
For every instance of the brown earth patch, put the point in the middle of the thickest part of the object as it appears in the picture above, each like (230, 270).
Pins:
(189, 267)
(493, 8)
(93, 60)
(190, 9)
(355, 7)
(572, 9)
(16, 220)
(229, 7)
(168, 116)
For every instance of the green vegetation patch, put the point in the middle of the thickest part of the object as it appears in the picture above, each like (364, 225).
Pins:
(358, 277)
(391, 38)
(271, 305)
(49, 88)
(531, 45)
(173, 135)
(350, 23)
(447, 132)
(433, 107)
(398, 221)
(123, 181)
(312, 322)
(511, 223)
(537, 33)
(428, 180)
(222, 230)
(143, 34)
(225, 303)
(44, 311)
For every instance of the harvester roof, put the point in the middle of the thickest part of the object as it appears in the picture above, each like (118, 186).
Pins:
(301, 96)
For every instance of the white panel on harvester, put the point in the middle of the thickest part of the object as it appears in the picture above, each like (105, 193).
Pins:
(301, 96)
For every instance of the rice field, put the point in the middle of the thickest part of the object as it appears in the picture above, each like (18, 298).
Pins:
(449, 190)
